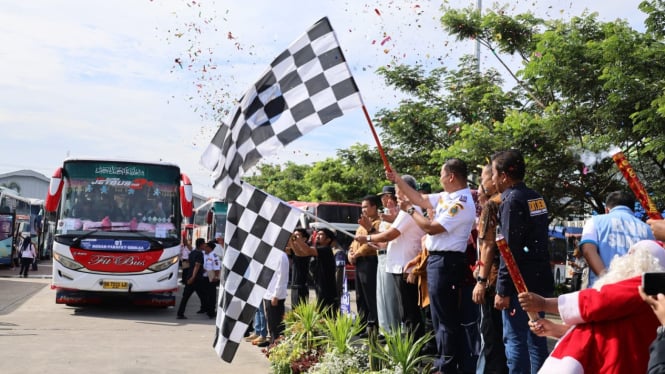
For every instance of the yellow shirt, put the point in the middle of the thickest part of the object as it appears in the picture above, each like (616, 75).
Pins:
(365, 249)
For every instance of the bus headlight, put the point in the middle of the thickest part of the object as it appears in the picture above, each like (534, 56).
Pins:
(67, 262)
(164, 264)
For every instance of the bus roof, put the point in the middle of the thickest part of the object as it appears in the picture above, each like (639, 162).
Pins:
(112, 159)
(17, 196)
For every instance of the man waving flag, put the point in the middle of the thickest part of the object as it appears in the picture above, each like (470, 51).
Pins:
(306, 86)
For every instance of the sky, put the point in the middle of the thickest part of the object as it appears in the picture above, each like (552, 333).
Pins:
(144, 79)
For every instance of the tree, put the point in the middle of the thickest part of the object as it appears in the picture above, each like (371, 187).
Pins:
(589, 82)
(355, 172)
(284, 182)
(584, 89)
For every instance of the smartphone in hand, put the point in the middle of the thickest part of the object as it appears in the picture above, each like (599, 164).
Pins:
(653, 282)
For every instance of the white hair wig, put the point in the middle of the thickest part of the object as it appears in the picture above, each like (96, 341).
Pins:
(643, 256)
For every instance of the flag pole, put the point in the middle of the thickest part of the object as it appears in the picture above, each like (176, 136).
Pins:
(327, 223)
(636, 186)
(386, 164)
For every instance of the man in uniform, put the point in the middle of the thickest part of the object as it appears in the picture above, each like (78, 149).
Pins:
(447, 236)
(523, 223)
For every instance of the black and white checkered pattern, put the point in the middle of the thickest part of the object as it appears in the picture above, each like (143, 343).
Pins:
(306, 86)
(258, 226)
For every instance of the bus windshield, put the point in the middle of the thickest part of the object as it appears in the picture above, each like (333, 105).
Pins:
(117, 200)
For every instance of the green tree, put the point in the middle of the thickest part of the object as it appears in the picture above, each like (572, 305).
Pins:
(592, 92)
(349, 176)
(285, 182)
(584, 88)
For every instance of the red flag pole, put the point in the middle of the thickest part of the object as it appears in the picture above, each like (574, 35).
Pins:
(636, 186)
(386, 164)
(513, 270)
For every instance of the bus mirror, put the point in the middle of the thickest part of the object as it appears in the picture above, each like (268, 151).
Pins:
(54, 191)
(186, 196)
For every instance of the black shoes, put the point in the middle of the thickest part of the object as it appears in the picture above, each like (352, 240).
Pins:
(263, 344)
(200, 311)
(180, 316)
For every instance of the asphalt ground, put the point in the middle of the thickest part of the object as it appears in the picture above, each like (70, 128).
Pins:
(142, 340)
(39, 336)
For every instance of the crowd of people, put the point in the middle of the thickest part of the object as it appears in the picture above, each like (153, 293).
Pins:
(422, 260)
(429, 262)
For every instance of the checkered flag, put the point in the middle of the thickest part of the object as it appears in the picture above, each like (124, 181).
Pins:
(306, 86)
(258, 226)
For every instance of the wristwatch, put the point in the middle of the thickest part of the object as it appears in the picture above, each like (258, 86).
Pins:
(369, 238)
(410, 211)
(480, 279)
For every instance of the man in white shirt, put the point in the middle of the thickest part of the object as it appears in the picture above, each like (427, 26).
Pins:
(211, 273)
(275, 296)
(404, 243)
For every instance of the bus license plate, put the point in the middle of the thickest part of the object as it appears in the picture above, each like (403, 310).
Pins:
(115, 285)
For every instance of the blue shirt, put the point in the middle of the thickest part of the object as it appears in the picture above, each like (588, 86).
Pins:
(613, 234)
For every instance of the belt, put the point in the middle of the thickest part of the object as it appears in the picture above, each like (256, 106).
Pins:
(445, 253)
(381, 252)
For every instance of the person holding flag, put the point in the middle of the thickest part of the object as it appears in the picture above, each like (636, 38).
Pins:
(447, 236)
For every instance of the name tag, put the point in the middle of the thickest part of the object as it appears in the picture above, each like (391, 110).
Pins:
(537, 207)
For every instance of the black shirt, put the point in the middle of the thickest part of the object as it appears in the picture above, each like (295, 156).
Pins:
(194, 257)
(326, 290)
(523, 222)
(300, 270)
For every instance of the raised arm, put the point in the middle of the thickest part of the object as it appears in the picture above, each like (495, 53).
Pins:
(300, 248)
(414, 196)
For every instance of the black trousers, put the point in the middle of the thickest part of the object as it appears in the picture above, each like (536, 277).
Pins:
(275, 318)
(409, 311)
(197, 286)
(366, 289)
(493, 353)
(26, 262)
(445, 271)
(210, 298)
(299, 294)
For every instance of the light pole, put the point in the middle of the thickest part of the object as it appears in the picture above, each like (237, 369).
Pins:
(479, 6)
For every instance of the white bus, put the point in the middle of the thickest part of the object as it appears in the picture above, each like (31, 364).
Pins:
(117, 230)
(209, 219)
(21, 217)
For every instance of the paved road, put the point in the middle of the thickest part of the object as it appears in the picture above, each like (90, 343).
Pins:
(112, 339)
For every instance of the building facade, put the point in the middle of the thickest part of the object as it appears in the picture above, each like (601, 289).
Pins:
(28, 183)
